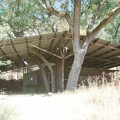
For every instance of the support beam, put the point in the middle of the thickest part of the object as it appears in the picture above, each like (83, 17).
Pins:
(61, 38)
(60, 74)
(36, 52)
(18, 55)
(60, 67)
(69, 55)
(44, 50)
(98, 49)
(52, 42)
(44, 75)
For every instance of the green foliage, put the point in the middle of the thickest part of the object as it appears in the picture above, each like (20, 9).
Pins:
(90, 7)
(29, 17)
(24, 16)
(2, 63)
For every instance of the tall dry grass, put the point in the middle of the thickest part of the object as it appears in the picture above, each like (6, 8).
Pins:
(94, 103)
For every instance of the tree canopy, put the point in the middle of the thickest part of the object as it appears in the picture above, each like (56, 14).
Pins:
(92, 30)
(29, 17)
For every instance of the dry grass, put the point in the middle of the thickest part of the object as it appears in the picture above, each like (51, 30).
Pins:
(84, 104)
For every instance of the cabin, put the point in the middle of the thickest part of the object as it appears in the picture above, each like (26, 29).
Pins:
(53, 54)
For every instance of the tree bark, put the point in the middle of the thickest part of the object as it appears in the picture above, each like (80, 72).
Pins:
(107, 18)
(78, 52)
(59, 14)
(48, 65)
(44, 75)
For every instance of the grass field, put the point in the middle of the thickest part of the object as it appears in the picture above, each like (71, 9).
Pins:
(84, 104)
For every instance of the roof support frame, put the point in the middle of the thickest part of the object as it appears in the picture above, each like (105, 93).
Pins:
(27, 46)
(111, 65)
(101, 59)
(17, 52)
(62, 37)
(40, 38)
(30, 45)
(53, 39)
(108, 63)
(100, 48)
(8, 58)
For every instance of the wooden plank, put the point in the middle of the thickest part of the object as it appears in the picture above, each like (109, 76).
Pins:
(68, 56)
(62, 37)
(27, 46)
(45, 51)
(40, 39)
(17, 53)
(98, 49)
(52, 42)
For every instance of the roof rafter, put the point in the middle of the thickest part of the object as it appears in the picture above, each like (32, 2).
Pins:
(30, 45)
(40, 38)
(8, 57)
(98, 49)
(17, 52)
(53, 39)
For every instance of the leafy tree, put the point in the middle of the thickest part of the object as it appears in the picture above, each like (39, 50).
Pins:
(93, 28)
(24, 17)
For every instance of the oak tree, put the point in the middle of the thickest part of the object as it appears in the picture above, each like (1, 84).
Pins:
(80, 50)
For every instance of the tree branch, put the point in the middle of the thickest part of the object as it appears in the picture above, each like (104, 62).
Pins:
(95, 14)
(40, 3)
(116, 32)
(59, 14)
(108, 17)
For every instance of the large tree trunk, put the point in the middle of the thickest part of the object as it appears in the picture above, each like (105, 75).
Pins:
(78, 52)
(75, 71)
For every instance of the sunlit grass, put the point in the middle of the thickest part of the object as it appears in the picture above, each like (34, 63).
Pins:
(94, 103)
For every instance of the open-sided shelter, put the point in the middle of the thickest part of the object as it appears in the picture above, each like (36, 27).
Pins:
(54, 50)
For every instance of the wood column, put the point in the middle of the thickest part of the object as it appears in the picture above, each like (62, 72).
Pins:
(60, 74)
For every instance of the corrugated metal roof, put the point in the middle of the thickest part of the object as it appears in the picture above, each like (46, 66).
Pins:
(100, 54)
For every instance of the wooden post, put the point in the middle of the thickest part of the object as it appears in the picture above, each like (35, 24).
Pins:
(63, 64)
(60, 68)
(60, 75)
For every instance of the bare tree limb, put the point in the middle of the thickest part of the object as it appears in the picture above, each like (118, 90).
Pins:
(108, 17)
(40, 3)
(90, 26)
(88, 7)
(78, 53)
(116, 32)
(59, 14)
